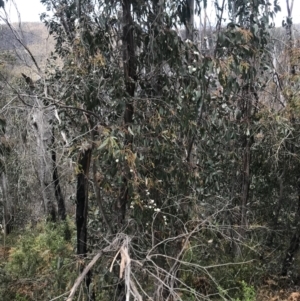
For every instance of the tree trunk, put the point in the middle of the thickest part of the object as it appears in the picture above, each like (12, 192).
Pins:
(289, 32)
(129, 63)
(82, 201)
(8, 215)
(82, 211)
(41, 121)
(245, 189)
(245, 107)
(61, 207)
(190, 21)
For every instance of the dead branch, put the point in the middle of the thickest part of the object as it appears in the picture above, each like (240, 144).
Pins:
(82, 275)
(113, 246)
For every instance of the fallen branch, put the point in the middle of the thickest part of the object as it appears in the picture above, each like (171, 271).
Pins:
(82, 275)
(113, 246)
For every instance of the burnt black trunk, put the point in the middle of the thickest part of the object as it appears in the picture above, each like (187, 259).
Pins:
(82, 211)
(82, 202)
(129, 61)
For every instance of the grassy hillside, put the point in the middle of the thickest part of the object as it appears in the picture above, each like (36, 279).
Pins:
(36, 37)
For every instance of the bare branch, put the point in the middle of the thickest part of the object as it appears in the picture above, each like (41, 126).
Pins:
(82, 275)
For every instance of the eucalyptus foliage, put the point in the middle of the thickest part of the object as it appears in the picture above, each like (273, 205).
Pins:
(204, 163)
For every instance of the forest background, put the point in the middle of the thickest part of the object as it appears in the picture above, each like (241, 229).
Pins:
(145, 158)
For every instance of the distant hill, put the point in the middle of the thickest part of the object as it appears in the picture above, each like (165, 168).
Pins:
(35, 36)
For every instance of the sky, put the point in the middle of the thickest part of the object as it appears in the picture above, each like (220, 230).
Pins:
(31, 9)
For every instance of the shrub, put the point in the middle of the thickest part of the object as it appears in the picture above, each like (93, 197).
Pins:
(41, 262)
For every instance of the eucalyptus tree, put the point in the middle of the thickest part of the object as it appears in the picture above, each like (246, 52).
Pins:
(157, 121)
(244, 45)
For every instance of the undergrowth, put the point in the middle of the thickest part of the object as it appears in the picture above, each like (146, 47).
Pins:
(41, 264)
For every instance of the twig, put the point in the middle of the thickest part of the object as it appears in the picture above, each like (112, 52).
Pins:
(112, 264)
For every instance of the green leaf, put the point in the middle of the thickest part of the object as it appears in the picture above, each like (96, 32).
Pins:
(130, 131)
(104, 143)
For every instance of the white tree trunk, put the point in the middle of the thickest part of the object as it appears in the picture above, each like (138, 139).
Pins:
(41, 121)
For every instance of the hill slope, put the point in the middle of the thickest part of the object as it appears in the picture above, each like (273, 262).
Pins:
(35, 36)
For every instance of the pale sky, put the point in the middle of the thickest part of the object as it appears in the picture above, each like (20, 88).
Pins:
(31, 9)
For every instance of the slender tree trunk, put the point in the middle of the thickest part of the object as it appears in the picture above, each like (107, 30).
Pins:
(82, 201)
(289, 32)
(8, 208)
(245, 187)
(84, 162)
(130, 76)
(190, 21)
(61, 207)
(249, 96)
(245, 107)
(41, 121)
(48, 174)
(129, 62)
(8, 215)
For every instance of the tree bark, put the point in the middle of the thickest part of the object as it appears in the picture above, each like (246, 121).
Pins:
(41, 121)
(84, 162)
(130, 76)
(190, 21)
(61, 207)
(8, 215)
(129, 62)
(289, 32)
(82, 201)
